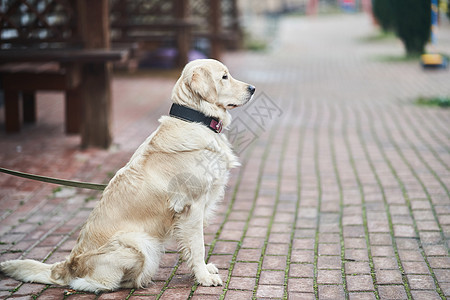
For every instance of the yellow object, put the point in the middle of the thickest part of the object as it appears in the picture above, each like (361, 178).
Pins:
(432, 59)
(443, 6)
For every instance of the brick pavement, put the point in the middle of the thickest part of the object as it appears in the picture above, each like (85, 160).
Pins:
(343, 192)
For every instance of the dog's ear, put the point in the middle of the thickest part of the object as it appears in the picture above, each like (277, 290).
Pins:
(201, 83)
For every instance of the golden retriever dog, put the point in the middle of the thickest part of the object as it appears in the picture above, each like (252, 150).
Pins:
(168, 190)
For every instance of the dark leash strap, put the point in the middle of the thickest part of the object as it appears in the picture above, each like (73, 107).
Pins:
(77, 184)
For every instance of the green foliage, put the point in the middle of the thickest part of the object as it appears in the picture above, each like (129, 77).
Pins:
(413, 24)
(254, 44)
(57, 190)
(434, 101)
(383, 12)
(409, 19)
(90, 198)
(448, 9)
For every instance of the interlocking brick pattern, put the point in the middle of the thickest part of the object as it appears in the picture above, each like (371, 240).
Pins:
(343, 195)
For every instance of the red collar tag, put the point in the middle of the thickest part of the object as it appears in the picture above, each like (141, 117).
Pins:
(216, 126)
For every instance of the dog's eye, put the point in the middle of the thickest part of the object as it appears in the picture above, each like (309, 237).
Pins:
(225, 76)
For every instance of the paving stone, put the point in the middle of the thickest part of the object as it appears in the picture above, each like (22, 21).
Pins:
(305, 285)
(91, 297)
(279, 238)
(392, 292)
(389, 277)
(386, 251)
(380, 239)
(362, 296)
(327, 237)
(439, 262)
(277, 249)
(421, 282)
(359, 283)
(356, 255)
(329, 277)
(435, 250)
(271, 277)
(53, 293)
(356, 243)
(245, 269)
(274, 262)
(30, 288)
(115, 295)
(237, 295)
(331, 292)
(302, 256)
(305, 296)
(152, 289)
(329, 262)
(410, 255)
(176, 293)
(249, 255)
(412, 267)
(250, 242)
(429, 295)
(445, 288)
(442, 275)
(208, 291)
(357, 267)
(303, 244)
(329, 249)
(270, 291)
(242, 283)
(301, 270)
(406, 243)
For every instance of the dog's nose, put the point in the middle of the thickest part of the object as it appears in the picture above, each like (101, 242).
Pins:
(251, 89)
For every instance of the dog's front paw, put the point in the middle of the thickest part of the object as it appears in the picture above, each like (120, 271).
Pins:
(212, 269)
(210, 280)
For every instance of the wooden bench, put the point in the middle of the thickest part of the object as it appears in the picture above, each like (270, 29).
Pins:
(217, 21)
(26, 71)
(23, 79)
(72, 55)
(208, 25)
(143, 24)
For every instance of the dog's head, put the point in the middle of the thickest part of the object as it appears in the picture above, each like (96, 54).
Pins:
(207, 86)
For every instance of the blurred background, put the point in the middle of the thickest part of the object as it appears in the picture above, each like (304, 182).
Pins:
(167, 34)
(75, 48)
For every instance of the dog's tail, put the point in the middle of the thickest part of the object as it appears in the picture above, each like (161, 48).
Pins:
(33, 271)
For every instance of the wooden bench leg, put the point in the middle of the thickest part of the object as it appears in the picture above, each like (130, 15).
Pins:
(29, 107)
(96, 77)
(73, 111)
(12, 116)
(183, 44)
(183, 34)
(216, 25)
(96, 91)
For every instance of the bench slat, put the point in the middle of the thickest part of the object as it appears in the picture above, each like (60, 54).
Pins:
(31, 82)
(63, 55)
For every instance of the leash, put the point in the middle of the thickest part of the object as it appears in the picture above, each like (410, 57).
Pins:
(77, 184)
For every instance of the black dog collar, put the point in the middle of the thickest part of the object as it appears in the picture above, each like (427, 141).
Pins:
(191, 115)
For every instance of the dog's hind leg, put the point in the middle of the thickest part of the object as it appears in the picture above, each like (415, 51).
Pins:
(105, 268)
(189, 234)
(150, 250)
(128, 260)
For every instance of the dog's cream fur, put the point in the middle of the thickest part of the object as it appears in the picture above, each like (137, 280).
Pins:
(168, 189)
